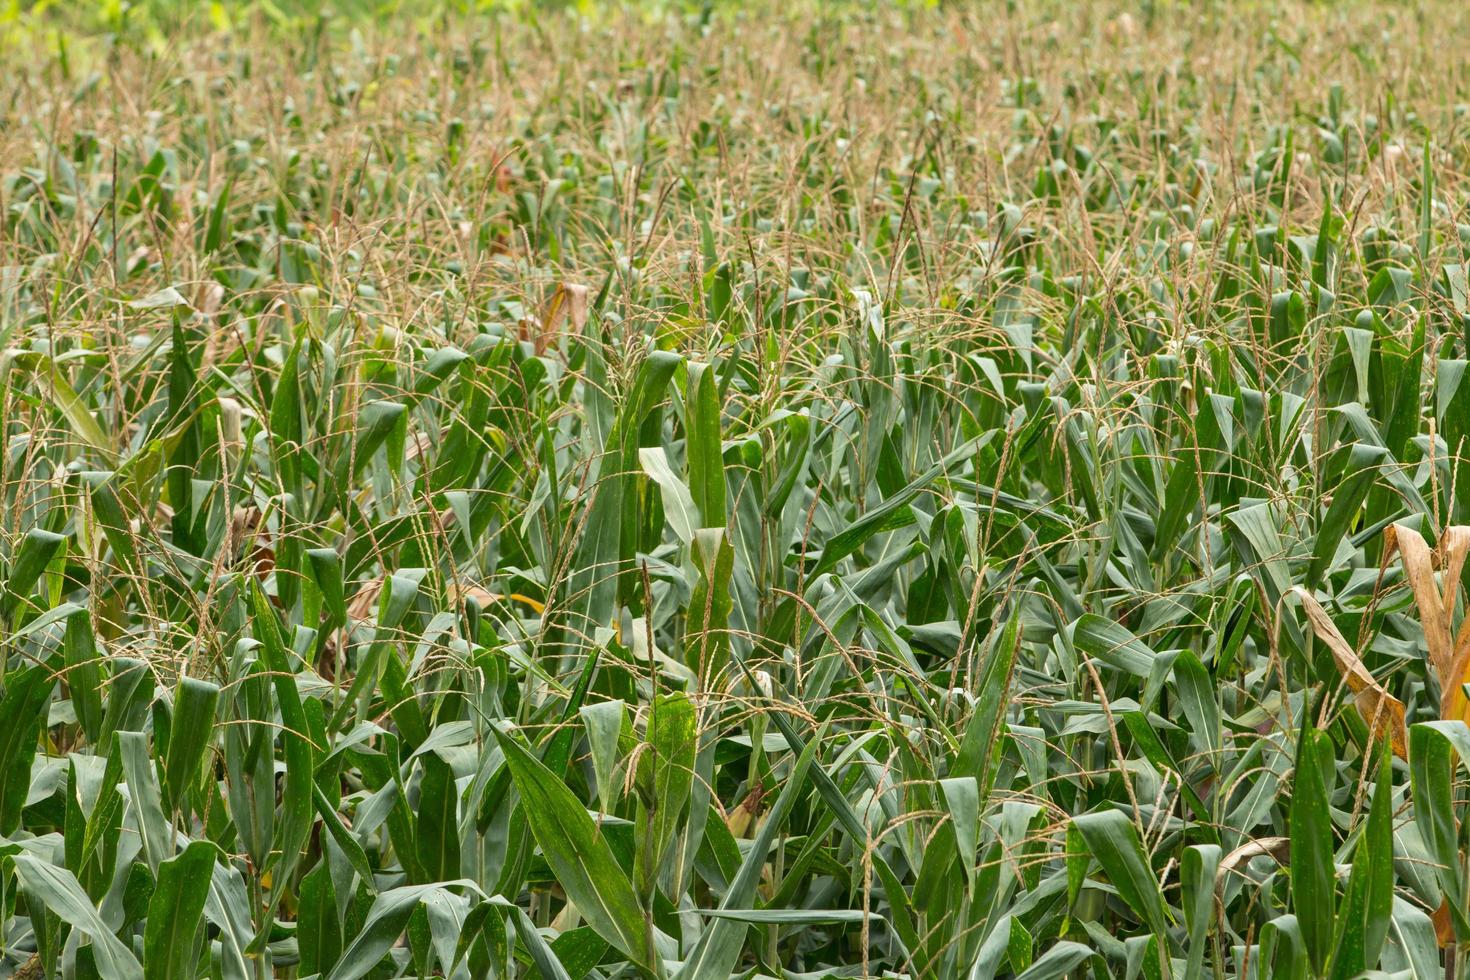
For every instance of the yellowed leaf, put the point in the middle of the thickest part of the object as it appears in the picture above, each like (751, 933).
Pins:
(485, 597)
(364, 602)
(1383, 712)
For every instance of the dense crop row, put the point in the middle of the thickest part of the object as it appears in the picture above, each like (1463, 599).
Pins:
(854, 493)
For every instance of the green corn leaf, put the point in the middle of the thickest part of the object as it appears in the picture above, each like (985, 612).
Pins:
(679, 508)
(1198, 869)
(704, 452)
(604, 722)
(145, 798)
(59, 392)
(36, 550)
(718, 949)
(23, 707)
(1113, 841)
(295, 819)
(190, 734)
(60, 892)
(319, 931)
(171, 937)
(1314, 895)
(578, 855)
(1363, 922)
(1433, 749)
(384, 923)
(438, 820)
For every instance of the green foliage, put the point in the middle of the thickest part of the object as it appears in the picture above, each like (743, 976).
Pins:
(824, 491)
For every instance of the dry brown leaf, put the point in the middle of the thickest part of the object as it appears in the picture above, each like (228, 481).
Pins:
(1383, 712)
(208, 296)
(1444, 926)
(567, 304)
(1278, 847)
(417, 445)
(1449, 653)
(1418, 561)
(1454, 548)
(364, 602)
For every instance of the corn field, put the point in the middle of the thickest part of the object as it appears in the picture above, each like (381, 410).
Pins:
(830, 489)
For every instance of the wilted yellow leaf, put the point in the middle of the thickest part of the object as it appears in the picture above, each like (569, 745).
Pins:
(1383, 712)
